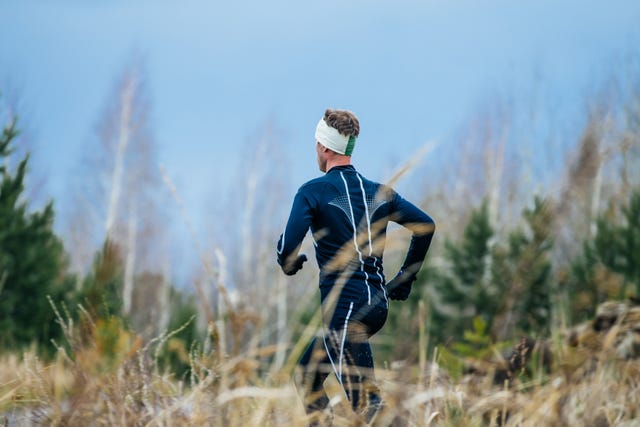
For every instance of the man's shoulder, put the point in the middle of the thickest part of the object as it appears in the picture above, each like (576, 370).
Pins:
(382, 190)
(370, 182)
(314, 184)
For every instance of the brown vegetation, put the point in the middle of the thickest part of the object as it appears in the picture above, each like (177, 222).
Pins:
(591, 378)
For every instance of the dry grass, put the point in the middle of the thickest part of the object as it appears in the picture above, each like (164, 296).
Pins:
(79, 388)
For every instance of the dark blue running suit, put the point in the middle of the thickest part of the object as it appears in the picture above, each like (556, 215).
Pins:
(348, 216)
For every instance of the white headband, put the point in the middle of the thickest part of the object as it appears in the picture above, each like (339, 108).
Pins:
(334, 140)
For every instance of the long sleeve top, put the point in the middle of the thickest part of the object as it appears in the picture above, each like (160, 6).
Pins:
(348, 216)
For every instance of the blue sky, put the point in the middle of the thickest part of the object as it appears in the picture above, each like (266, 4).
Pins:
(412, 71)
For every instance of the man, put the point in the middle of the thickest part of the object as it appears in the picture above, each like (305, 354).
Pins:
(348, 216)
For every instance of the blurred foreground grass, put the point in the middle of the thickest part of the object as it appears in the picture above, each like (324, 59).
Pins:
(585, 382)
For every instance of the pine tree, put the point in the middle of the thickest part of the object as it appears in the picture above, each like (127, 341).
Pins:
(523, 270)
(618, 245)
(101, 292)
(185, 340)
(465, 291)
(610, 263)
(32, 260)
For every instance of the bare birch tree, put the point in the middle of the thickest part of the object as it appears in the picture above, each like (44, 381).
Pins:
(119, 178)
(247, 232)
(479, 163)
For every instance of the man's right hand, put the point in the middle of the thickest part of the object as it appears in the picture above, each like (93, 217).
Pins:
(291, 268)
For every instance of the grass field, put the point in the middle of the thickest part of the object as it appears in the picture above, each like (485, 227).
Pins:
(586, 382)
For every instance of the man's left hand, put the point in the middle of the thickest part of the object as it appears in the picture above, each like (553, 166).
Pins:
(400, 286)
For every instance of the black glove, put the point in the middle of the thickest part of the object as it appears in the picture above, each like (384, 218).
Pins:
(400, 286)
(290, 268)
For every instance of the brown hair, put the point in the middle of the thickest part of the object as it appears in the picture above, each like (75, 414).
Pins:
(343, 121)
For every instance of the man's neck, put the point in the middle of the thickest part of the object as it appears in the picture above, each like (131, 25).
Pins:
(338, 161)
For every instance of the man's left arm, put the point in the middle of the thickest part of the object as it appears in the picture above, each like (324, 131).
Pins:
(423, 228)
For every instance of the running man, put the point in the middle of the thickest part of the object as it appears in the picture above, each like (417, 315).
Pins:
(348, 217)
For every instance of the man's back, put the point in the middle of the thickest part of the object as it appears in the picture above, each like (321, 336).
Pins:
(348, 216)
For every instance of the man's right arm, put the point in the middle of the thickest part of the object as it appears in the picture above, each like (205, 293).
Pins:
(290, 241)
